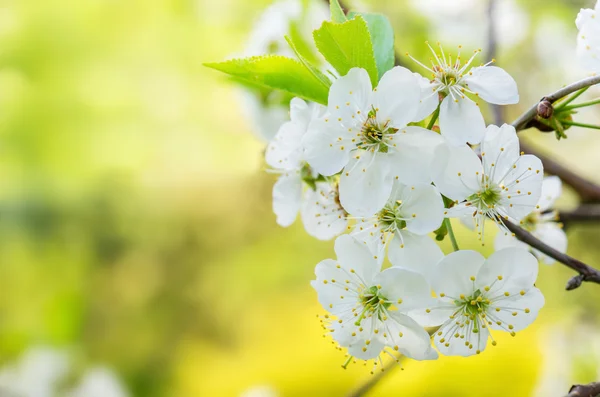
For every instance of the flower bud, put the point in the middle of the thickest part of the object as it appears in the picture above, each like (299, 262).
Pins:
(545, 109)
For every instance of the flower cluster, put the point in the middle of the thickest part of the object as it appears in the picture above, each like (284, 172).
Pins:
(365, 164)
(381, 158)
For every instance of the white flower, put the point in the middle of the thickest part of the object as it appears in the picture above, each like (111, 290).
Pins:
(476, 296)
(365, 135)
(99, 382)
(369, 306)
(37, 374)
(264, 114)
(542, 223)
(410, 213)
(460, 118)
(268, 110)
(300, 188)
(268, 34)
(503, 185)
(322, 214)
(588, 39)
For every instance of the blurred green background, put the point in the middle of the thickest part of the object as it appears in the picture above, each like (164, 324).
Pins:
(135, 219)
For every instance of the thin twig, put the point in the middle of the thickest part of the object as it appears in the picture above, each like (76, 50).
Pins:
(589, 390)
(373, 380)
(583, 213)
(587, 190)
(526, 117)
(586, 272)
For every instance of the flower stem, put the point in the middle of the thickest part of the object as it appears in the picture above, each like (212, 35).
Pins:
(596, 127)
(580, 105)
(451, 234)
(434, 117)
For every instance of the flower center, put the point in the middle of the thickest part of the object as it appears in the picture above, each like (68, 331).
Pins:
(447, 75)
(373, 304)
(391, 218)
(374, 134)
(474, 306)
(530, 222)
(487, 198)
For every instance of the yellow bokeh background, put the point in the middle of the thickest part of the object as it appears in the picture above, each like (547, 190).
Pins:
(135, 220)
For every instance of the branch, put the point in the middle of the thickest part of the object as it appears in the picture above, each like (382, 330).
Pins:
(586, 273)
(587, 190)
(492, 48)
(526, 117)
(590, 390)
(583, 213)
(375, 378)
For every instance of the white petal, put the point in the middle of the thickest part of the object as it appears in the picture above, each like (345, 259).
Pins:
(524, 184)
(452, 275)
(330, 285)
(435, 315)
(422, 206)
(287, 195)
(420, 254)
(349, 95)
(366, 183)
(429, 98)
(500, 150)
(414, 153)
(370, 351)
(414, 342)
(461, 121)
(397, 97)
(553, 235)
(585, 15)
(353, 255)
(508, 270)
(370, 232)
(551, 191)
(327, 146)
(506, 240)
(459, 172)
(300, 113)
(457, 346)
(285, 151)
(406, 289)
(322, 215)
(525, 306)
(493, 85)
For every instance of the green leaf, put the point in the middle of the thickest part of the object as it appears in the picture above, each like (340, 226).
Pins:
(347, 45)
(278, 72)
(304, 47)
(382, 37)
(441, 233)
(310, 67)
(337, 12)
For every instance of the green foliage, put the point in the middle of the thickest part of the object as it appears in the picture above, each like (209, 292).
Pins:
(347, 45)
(278, 72)
(310, 67)
(303, 44)
(337, 12)
(382, 37)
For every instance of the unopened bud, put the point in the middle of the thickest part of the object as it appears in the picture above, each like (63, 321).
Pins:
(545, 109)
